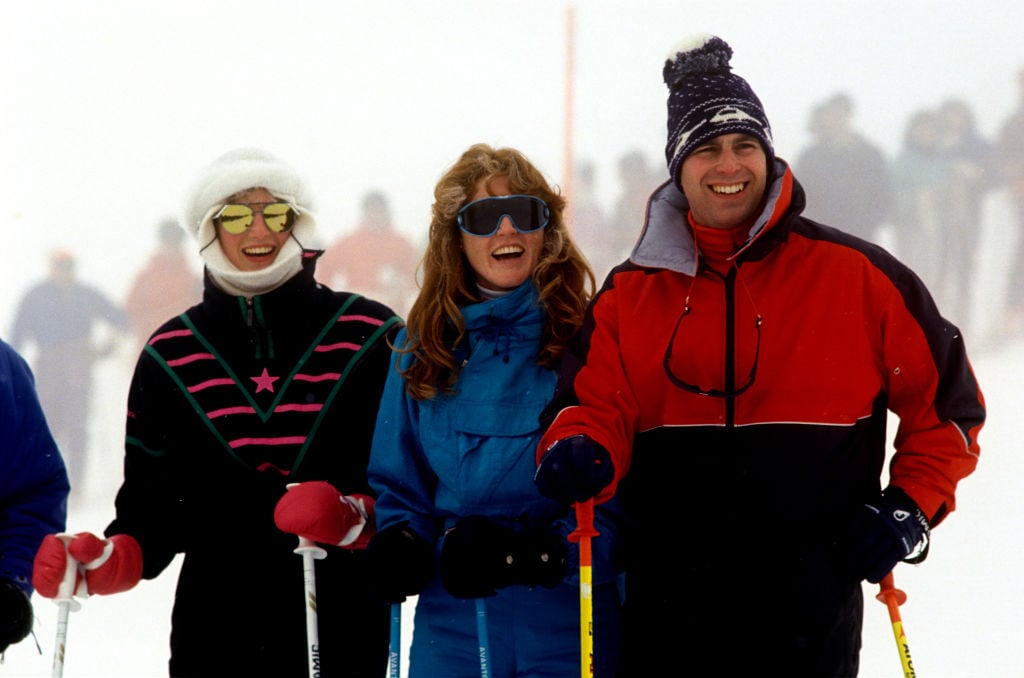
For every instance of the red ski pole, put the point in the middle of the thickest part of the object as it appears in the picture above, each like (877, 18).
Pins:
(893, 598)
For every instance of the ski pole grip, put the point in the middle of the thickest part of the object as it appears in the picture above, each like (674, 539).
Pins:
(893, 598)
(888, 591)
(309, 547)
(66, 590)
(584, 521)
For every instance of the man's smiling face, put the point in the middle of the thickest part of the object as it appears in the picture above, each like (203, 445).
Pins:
(724, 180)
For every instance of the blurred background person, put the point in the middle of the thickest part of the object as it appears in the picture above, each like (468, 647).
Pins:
(845, 174)
(921, 178)
(64, 326)
(635, 180)
(589, 225)
(972, 174)
(374, 260)
(165, 287)
(1011, 158)
(33, 492)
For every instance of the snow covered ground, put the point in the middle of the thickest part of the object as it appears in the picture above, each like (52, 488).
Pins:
(962, 617)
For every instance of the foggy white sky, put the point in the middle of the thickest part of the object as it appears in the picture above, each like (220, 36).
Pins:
(107, 108)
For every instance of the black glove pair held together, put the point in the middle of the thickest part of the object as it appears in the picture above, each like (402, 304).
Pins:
(478, 557)
(887, 530)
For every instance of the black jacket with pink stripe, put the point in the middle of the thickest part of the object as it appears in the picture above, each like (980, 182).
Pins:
(231, 401)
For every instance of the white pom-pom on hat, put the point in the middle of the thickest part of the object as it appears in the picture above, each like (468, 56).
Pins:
(706, 99)
(688, 44)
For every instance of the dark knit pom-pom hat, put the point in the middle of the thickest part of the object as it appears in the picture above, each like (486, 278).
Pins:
(706, 100)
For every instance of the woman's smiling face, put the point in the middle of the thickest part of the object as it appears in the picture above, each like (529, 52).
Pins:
(505, 260)
(256, 247)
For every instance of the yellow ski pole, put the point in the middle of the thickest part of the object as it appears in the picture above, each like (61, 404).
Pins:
(583, 533)
(893, 598)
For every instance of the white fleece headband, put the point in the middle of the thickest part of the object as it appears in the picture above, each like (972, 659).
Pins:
(231, 173)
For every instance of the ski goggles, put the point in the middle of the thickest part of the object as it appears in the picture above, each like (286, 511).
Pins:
(235, 218)
(483, 217)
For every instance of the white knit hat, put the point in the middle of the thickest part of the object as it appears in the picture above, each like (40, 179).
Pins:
(236, 171)
(231, 173)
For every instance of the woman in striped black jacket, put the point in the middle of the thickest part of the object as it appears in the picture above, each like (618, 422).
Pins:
(271, 380)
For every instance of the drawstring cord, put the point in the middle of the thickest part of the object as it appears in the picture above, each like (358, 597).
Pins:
(693, 388)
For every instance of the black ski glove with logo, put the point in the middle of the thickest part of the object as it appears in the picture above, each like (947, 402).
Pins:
(479, 556)
(883, 532)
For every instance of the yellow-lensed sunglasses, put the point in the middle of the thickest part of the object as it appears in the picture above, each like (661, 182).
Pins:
(235, 218)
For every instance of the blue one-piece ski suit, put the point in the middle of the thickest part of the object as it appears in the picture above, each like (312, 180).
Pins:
(473, 453)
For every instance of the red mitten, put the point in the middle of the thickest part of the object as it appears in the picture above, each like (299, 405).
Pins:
(110, 565)
(48, 567)
(317, 511)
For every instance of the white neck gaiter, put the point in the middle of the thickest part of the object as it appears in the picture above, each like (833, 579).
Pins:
(250, 283)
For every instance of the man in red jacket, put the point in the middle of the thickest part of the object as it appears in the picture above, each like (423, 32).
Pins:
(733, 384)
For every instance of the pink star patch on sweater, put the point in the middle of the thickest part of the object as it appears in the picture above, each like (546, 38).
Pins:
(265, 382)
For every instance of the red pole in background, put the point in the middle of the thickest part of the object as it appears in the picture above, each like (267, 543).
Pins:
(568, 161)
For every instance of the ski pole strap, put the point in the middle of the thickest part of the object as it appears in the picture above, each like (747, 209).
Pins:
(893, 598)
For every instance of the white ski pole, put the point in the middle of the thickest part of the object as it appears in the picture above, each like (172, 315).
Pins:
(482, 638)
(65, 603)
(310, 553)
(394, 652)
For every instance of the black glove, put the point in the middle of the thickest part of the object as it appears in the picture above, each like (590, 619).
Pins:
(886, 531)
(479, 556)
(574, 469)
(401, 563)
(15, 614)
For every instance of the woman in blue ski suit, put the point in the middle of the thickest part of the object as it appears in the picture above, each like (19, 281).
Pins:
(458, 514)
